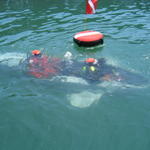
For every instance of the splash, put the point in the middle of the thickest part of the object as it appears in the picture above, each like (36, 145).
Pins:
(70, 79)
(12, 59)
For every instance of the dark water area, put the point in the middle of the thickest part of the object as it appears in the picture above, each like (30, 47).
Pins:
(70, 114)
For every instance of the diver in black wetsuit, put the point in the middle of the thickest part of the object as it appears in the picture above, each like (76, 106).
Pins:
(97, 70)
(91, 69)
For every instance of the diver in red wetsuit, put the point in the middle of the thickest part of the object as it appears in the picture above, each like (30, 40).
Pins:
(40, 66)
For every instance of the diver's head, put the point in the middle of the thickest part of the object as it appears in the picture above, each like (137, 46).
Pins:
(91, 61)
(36, 52)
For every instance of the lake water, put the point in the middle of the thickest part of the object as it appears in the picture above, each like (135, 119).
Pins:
(68, 113)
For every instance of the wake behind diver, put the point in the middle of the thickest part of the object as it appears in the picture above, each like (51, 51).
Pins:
(92, 70)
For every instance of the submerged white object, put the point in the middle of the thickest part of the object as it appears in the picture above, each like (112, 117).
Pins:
(84, 99)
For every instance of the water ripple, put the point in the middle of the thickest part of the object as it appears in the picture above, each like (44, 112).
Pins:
(128, 24)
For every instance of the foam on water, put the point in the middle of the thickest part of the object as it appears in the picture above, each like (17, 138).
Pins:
(113, 85)
(12, 59)
(70, 79)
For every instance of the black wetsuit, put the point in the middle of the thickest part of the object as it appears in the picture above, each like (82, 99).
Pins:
(89, 71)
(99, 72)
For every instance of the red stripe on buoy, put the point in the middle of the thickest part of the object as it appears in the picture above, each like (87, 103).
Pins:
(88, 38)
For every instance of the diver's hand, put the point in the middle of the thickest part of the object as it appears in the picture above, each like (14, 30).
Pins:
(68, 55)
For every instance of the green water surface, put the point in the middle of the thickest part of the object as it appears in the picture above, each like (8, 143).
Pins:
(36, 114)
